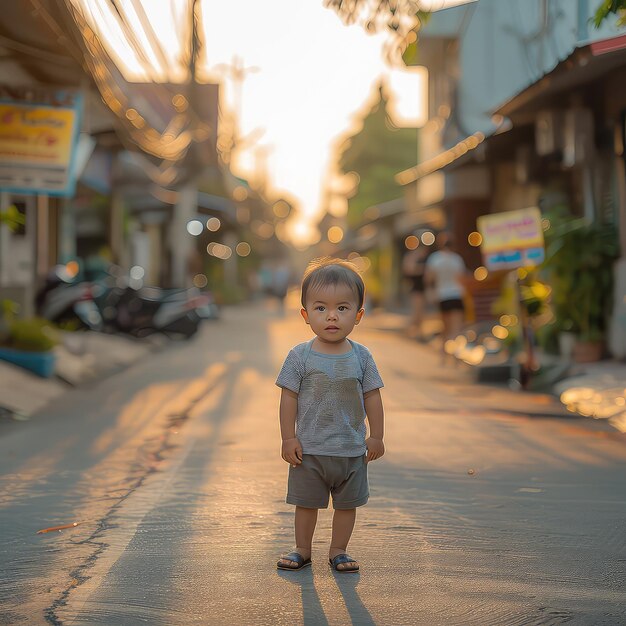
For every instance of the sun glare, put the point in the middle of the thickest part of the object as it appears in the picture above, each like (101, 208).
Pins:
(293, 78)
(409, 101)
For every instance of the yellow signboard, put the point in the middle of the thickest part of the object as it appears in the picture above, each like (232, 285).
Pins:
(512, 238)
(37, 143)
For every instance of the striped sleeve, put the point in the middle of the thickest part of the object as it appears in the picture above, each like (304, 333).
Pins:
(290, 376)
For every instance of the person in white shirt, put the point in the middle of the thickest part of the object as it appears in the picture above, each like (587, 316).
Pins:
(444, 272)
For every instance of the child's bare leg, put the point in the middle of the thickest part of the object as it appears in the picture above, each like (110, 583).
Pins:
(305, 521)
(343, 525)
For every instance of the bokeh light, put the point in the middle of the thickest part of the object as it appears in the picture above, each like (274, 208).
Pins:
(481, 272)
(411, 242)
(428, 238)
(335, 234)
(281, 209)
(264, 230)
(137, 272)
(195, 227)
(213, 224)
(500, 332)
(200, 281)
(240, 193)
(71, 269)
(474, 239)
(219, 250)
(338, 206)
(243, 248)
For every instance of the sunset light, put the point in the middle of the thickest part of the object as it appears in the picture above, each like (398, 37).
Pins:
(313, 312)
(280, 83)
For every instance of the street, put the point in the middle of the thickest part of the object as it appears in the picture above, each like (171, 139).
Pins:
(489, 507)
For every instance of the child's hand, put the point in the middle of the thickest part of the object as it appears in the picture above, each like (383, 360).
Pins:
(292, 451)
(375, 448)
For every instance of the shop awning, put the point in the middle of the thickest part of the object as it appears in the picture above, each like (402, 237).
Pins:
(584, 66)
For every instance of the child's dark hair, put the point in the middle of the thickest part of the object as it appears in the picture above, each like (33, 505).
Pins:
(327, 271)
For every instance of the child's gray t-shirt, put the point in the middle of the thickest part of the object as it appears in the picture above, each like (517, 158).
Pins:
(330, 388)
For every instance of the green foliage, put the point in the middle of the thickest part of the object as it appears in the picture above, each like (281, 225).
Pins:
(579, 261)
(33, 334)
(10, 309)
(547, 337)
(410, 55)
(377, 153)
(528, 292)
(528, 296)
(607, 8)
(394, 16)
(534, 295)
(12, 218)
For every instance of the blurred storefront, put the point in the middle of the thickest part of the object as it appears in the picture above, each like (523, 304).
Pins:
(527, 109)
(49, 119)
(122, 142)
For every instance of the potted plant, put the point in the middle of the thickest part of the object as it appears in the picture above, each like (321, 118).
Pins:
(12, 218)
(28, 343)
(579, 262)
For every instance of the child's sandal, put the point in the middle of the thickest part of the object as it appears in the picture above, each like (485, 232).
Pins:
(343, 558)
(297, 558)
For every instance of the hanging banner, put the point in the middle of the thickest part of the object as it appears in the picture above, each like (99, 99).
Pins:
(512, 239)
(38, 144)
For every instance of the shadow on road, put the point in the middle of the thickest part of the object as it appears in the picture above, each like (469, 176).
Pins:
(347, 584)
(312, 609)
(313, 612)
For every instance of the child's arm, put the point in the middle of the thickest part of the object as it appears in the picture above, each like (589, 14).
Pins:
(291, 450)
(376, 418)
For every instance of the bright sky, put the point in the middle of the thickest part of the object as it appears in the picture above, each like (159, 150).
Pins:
(311, 75)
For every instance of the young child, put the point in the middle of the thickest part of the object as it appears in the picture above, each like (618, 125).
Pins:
(329, 384)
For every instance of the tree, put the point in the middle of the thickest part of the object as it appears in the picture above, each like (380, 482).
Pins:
(377, 152)
(397, 16)
(610, 7)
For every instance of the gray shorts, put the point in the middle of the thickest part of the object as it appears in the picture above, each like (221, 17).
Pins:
(311, 482)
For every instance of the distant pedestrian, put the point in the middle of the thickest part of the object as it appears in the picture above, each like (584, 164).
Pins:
(330, 385)
(281, 273)
(413, 270)
(445, 270)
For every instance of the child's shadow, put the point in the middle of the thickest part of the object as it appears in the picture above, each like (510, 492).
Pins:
(347, 583)
(313, 612)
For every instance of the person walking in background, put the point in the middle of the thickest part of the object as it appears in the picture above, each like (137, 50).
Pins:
(444, 272)
(329, 386)
(281, 274)
(413, 269)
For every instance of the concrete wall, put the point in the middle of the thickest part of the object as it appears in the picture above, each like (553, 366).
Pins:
(506, 45)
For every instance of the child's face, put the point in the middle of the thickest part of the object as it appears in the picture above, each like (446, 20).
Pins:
(332, 312)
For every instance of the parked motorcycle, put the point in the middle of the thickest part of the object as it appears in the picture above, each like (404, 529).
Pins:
(148, 310)
(65, 302)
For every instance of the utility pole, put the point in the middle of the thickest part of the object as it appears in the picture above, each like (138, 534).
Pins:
(236, 72)
(181, 243)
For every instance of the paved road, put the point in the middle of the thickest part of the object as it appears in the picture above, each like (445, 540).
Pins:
(490, 507)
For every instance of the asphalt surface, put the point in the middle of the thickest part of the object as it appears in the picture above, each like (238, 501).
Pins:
(490, 506)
